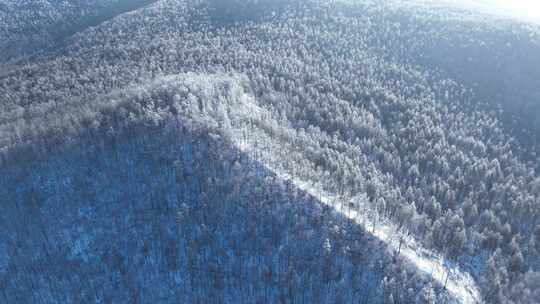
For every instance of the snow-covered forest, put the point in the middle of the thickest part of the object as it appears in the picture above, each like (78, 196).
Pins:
(267, 151)
(32, 26)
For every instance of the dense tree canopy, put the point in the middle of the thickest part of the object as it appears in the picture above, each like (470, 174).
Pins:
(331, 93)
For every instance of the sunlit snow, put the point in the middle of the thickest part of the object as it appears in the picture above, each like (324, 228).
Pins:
(270, 153)
(529, 9)
(525, 10)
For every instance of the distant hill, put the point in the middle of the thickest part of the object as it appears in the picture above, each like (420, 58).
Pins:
(29, 27)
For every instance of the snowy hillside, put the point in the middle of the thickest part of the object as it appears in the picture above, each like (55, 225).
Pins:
(29, 26)
(290, 151)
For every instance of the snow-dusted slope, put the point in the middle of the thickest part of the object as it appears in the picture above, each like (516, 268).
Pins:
(30, 27)
(382, 111)
(176, 195)
(251, 131)
(226, 104)
(459, 284)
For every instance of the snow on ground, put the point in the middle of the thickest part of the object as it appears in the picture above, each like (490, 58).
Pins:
(270, 152)
(259, 135)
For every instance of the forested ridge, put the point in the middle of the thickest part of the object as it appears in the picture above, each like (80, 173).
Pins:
(28, 27)
(164, 155)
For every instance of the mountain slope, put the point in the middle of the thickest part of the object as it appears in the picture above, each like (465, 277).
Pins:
(29, 27)
(331, 104)
(193, 219)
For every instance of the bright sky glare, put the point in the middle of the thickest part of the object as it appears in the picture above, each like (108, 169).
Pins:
(529, 9)
(525, 10)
